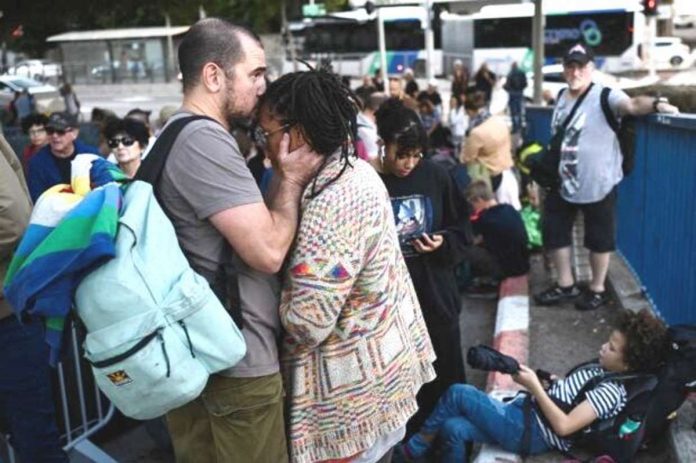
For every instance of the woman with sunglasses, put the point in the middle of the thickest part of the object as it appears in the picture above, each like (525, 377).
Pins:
(356, 348)
(127, 139)
(432, 238)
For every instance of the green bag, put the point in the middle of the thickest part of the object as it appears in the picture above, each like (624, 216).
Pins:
(532, 223)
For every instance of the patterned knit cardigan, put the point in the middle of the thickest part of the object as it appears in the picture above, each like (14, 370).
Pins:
(356, 349)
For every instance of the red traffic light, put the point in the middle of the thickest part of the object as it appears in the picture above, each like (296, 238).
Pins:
(17, 32)
(650, 7)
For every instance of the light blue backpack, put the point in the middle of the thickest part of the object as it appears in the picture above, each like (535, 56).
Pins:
(156, 330)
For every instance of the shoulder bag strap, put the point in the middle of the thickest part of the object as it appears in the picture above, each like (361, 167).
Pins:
(577, 104)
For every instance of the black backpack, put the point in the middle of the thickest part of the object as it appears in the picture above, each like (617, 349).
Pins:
(651, 403)
(625, 130)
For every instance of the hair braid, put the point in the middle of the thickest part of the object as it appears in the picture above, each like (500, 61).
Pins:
(324, 109)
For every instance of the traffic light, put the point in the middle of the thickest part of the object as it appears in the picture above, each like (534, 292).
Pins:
(650, 7)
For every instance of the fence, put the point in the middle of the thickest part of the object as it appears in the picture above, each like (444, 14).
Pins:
(656, 211)
(82, 411)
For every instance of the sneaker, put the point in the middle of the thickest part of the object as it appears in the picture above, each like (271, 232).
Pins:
(556, 294)
(591, 300)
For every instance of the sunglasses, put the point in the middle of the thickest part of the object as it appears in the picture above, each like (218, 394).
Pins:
(261, 136)
(114, 142)
(59, 132)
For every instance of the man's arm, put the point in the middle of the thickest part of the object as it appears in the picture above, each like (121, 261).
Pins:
(563, 424)
(262, 235)
(641, 105)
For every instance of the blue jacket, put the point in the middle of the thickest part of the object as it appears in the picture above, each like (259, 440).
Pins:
(43, 171)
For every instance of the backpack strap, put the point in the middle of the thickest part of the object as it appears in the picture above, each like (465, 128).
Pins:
(223, 281)
(606, 109)
(151, 169)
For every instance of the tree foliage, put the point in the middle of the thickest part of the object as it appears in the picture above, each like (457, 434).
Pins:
(43, 18)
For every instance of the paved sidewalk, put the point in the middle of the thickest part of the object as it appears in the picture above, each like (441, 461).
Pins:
(561, 337)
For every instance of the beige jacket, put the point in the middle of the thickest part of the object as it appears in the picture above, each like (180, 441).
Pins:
(15, 209)
(489, 144)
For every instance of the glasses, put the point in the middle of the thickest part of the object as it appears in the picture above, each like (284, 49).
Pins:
(114, 142)
(33, 132)
(59, 132)
(261, 136)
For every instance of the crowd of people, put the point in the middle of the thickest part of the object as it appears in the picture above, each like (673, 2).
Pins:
(344, 226)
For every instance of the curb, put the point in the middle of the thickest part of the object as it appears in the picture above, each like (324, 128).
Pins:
(511, 338)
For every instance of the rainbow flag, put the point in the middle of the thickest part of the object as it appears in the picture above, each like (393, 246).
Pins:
(72, 230)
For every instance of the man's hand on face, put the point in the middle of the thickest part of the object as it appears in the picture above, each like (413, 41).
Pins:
(298, 166)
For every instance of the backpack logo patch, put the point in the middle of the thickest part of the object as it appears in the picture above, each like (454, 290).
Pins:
(119, 378)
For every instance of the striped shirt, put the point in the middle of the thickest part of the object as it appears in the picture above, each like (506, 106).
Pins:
(607, 400)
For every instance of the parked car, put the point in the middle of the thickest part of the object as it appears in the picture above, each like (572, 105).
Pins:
(47, 97)
(37, 69)
(682, 21)
(671, 52)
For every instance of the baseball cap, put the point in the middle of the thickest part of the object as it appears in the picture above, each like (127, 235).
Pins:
(61, 121)
(578, 53)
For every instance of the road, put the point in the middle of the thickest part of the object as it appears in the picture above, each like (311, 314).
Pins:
(122, 98)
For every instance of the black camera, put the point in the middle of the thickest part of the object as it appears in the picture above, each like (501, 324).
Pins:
(488, 359)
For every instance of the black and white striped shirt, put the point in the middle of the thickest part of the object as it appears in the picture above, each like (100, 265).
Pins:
(607, 400)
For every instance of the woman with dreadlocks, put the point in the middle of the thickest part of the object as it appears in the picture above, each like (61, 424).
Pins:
(356, 350)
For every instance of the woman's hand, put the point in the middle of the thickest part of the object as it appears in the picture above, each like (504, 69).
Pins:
(427, 243)
(528, 378)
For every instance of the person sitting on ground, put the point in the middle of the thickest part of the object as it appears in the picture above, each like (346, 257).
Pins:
(354, 333)
(465, 414)
(432, 236)
(127, 139)
(34, 126)
(500, 249)
(487, 151)
(51, 164)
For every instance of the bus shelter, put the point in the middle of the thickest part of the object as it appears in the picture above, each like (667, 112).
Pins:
(119, 55)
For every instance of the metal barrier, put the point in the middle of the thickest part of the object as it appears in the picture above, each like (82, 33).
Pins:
(656, 213)
(83, 409)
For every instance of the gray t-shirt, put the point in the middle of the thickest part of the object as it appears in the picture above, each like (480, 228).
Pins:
(590, 164)
(205, 173)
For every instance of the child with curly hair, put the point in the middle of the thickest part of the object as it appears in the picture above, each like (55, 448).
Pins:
(465, 414)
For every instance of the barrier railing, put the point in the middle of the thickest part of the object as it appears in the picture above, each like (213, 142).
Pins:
(656, 212)
(82, 411)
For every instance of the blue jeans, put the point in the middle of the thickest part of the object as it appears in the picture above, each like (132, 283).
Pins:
(465, 414)
(26, 399)
(516, 105)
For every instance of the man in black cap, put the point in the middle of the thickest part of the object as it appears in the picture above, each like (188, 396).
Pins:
(51, 165)
(589, 170)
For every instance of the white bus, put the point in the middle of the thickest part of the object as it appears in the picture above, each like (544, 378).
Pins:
(349, 40)
(501, 34)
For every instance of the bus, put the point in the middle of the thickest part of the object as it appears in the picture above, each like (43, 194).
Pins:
(502, 34)
(348, 39)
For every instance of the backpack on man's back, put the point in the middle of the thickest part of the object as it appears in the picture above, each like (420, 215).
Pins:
(625, 130)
